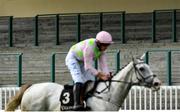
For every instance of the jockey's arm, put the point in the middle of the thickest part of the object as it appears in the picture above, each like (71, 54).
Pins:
(103, 64)
(88, 62)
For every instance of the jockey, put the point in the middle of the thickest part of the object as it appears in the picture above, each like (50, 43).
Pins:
(79, 61)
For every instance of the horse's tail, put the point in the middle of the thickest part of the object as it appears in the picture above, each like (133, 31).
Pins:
(16, 100)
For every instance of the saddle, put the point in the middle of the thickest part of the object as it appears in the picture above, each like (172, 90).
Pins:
(67, 98)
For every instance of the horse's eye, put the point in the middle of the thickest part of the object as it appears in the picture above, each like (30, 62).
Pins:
(141, 69)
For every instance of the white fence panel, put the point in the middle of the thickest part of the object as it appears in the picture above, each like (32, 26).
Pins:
(139, 98)
(5, 94)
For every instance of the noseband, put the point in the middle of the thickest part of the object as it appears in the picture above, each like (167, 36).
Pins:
(142, 79)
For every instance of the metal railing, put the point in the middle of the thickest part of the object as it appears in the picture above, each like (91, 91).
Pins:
(53, 65)
(36, 27)
(78, 23)
(10, 30)
(19, 66)
(116, 68)
(122, 13)
(139, 98)
(5, 94)
(173, 22)
(168, 62)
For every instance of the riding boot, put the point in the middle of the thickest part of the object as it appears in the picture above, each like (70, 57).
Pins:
(77, 91)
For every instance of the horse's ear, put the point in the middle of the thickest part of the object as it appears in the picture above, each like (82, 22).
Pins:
(135, 60)
(142, 57)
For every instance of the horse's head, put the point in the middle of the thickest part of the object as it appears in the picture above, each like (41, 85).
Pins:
(144, 75)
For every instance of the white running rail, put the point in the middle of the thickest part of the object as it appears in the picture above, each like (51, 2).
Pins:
(139, 98)
(5, 94)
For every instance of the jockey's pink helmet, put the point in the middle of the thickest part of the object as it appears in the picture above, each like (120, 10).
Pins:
(104, 37)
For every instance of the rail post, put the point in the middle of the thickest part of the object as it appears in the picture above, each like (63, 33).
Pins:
(117, 61)
(10, 31)
(174, 26)
(19, 58)
(36, 30)
(147, 57)
(57, 29)
(154, 26)
(169, 71)
(53, 67)
(78, 27)
(100, 21)
(123, 40)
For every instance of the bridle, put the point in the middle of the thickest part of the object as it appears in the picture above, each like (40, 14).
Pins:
(142, 79)
(138, 74)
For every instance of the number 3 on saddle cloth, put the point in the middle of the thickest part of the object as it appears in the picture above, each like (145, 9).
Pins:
(67, 98)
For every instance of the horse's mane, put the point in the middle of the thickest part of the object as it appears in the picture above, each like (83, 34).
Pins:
(125, 66)
(121, 68)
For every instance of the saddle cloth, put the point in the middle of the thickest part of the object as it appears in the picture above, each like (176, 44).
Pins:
(67, 98)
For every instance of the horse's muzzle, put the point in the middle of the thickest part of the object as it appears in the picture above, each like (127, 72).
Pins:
(156, 84)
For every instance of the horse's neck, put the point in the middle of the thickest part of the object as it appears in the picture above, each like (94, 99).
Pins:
(125, 75)
(119, 90)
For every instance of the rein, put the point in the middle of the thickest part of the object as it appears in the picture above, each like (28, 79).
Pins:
(131, 83)
(137, 72)
(108, 86)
